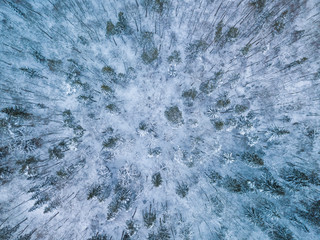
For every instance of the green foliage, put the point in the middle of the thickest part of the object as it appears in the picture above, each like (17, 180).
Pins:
(209, 85)
(174, 115)
(110, 29)
(156, 179)
(146, 39)
(296, 35)
(4, 151)
(174, 57)
(218, 33)
(147, 128)
(56, 152)
(294, 176)
(108, 70)
(74, 73)
(314, 177)
(268, 184)
(99, 191)
(17, 10)
(278, 26)
(217, 123)
(268, 208)
(258, 4)
(113, 208)
(94, 192)
(296, 63)
(39, 57)
(312, 213)
(229, 36)
(311, 133)
(78, 131)
(111, 142)
(213, 176)
(232, 33)
(255, 216)
(148, 56)
(109, 130)
(182, 190)
(112, 107)
(68, 119)
(16, 111)
(26, 236)
(63, 145)
(5, 173)
(159, 5)
(245, 49)
(85, 98)
(190, 94)
(186, 232)
(217, 205)
(317, 74)
(162, 234)
(100, 237)
(125, 236)
(150, 52)
(28, 164)
(235, 185)
(83, 40)
(110, 73)
(106, 88)
(252, 159)
(244, 122)
(122, 26)
(224, 101)
(31, 72)
(119, 78)
(279, 131)
(7, 232)
(77, 83)
(149, 217)
(194, 49)
(189, 158)
(131, 73)
(3, 124)
(51, 180)
(52, 206)
(122, 199)
(54, 65)
(260, 216)
(41, 198)
(240, 108)
(143, 126)
(32, 144)
(62, 173)
(154, 151)
(278, 232)
(131, 227)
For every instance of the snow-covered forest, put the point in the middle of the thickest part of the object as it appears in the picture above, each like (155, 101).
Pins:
(159, 119)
